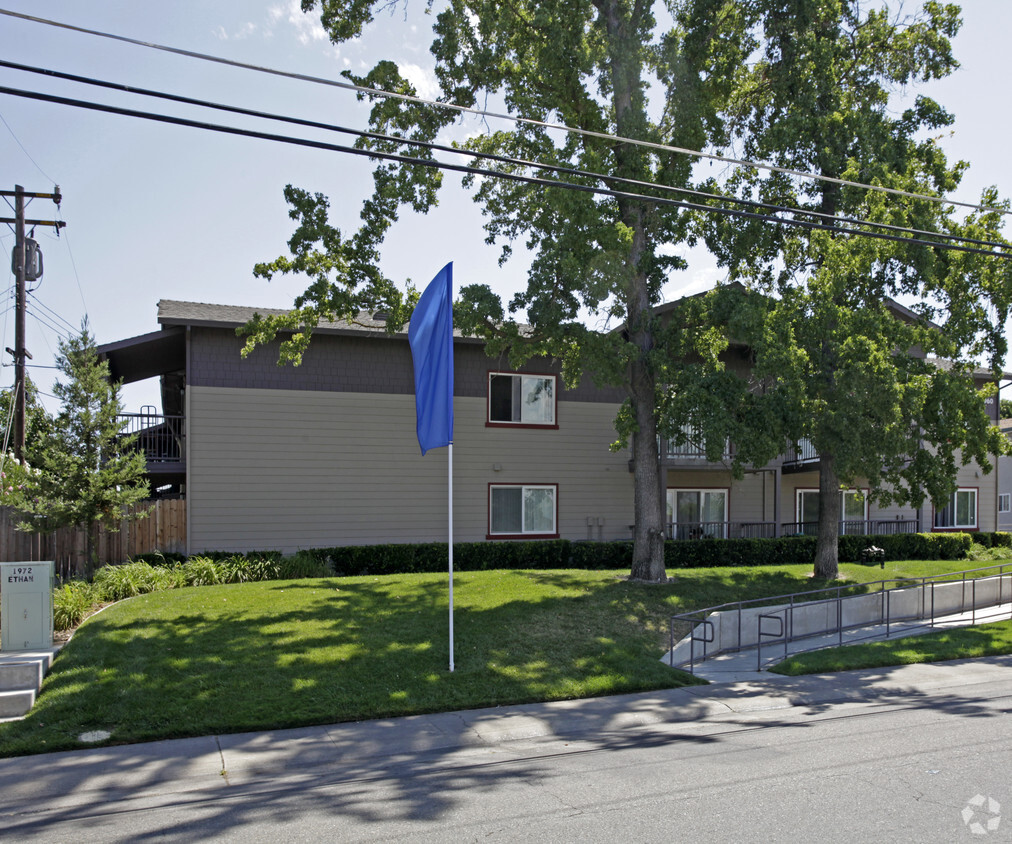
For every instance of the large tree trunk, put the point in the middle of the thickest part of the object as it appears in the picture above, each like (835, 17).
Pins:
(648, 537)
(622, 24)
(827, 558)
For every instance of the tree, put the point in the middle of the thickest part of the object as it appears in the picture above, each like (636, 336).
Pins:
(38, 423)
(15, 477)
(88, 473)
(587, 64)
(820, 98)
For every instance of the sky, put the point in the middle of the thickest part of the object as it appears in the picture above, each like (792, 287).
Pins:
(163, 212)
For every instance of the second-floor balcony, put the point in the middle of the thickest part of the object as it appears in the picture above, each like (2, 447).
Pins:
(690, 447)
(160, 437)
(800, 455)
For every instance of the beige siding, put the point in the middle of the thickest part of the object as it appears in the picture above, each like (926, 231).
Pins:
(810, 480)
(747, 501)
(298, 469)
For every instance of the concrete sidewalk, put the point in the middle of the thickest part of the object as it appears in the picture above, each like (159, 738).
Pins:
(213, 767)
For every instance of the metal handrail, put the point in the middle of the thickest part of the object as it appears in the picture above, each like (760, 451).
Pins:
(693, 638)
(781, 634)
(697, 617)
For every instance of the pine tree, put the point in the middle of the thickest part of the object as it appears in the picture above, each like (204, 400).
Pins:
(89, 472)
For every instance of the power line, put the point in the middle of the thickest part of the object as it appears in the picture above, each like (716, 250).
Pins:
(46, 322)
(459, 168)
(484, 113)
(502, 159)
(49, 310)
(73, 264)
(27, 154)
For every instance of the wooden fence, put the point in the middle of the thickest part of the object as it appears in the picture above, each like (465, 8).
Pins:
(163, 529)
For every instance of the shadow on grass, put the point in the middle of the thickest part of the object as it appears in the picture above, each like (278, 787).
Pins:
(323, 652)
(195, 662)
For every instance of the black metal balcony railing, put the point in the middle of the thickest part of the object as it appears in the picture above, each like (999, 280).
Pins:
(159, 437)
(766, 530)
(862, 527)
(721, 530)
(694, 448)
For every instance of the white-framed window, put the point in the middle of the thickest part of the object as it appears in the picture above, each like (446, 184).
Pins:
(521, 399)
(1005, 502)
(960, 512)
(695, 513)
(853, 511)
(522, 510)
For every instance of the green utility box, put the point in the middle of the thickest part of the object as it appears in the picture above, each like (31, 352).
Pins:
(26, 606)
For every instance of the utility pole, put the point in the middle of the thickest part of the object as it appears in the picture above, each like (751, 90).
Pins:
(21, 269)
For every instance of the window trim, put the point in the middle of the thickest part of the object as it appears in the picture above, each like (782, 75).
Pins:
(555, 493)
(700, 489)
(976, 512)
(865, 492)
(1008, 502)
(490, 423)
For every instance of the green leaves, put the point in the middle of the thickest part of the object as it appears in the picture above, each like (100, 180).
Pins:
(88, 472)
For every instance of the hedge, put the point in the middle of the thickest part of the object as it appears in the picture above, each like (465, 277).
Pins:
(703, 553)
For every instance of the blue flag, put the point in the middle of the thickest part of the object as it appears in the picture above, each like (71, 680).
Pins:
(430, 335)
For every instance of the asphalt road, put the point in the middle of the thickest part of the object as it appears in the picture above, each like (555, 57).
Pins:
(920, 763)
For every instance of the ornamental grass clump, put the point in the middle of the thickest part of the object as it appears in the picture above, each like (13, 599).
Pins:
(114, 583)
(72, 602)
(201, 571)
(240, 568)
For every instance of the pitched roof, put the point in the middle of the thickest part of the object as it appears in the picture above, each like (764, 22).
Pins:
(979, 372)
(173, 312)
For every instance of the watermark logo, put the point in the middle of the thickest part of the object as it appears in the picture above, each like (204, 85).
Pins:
(981, 815)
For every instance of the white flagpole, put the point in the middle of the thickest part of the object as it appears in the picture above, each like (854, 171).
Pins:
(449, 453)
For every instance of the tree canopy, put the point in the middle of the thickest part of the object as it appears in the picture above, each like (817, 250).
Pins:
(86, 471)
(807, 85)
(603, 67)
(820, 96)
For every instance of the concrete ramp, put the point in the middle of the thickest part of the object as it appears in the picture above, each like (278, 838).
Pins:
(733, 628)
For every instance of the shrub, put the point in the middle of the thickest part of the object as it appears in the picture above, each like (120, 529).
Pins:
(72, 602)
(981, 553)
(305, 564)
(247, 568)
(998, 539)
(600, 555)
(114, 583)
(160, 558)
(201, 571)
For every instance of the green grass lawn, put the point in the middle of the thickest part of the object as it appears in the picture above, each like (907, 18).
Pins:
(277, 654)
(958, 643)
